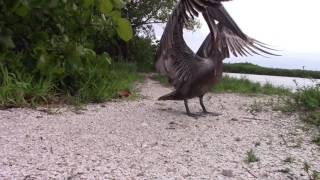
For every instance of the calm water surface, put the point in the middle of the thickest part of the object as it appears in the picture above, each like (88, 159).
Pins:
(288, 82)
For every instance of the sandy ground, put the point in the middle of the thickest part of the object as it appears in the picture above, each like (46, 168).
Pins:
(148, 139)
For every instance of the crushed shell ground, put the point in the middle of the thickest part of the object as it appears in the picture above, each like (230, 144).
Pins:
(149, 139)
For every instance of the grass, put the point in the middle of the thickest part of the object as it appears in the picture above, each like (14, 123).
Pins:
(248, 68)
(245, 86)
(251, 157)
(313, 175)
(256, 107)
(21, 90)
(234, 85)
(316, 140)
(306, 101)
(97, 88)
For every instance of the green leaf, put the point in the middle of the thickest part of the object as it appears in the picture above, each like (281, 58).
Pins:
(87, 3)
(13, 5)
(119, 4)
(103, 60)
(74, 7)
(21, 10)
(106, 57)
(54, 3)
(42, 63)
(115, 15)
(124, 29)
(106, 6)
(6, 41)
(59, 71)
(89, 53)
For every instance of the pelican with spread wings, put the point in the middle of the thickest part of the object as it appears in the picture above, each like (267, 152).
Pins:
(192, 74)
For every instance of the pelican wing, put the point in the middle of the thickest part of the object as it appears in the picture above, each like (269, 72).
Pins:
(227, 38)
(174, 58)
(229, 43)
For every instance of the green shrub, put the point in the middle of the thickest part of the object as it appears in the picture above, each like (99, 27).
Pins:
(47, 38)
(308, 98)
(49, 49)
(316, 140)
(306, 101)
(142, 51)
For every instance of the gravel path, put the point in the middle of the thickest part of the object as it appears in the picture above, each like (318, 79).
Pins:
(148, 139)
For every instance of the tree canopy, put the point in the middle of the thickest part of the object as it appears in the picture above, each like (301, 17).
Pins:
(145, 13)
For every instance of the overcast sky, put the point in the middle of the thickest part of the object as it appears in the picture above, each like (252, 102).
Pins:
(292, 26)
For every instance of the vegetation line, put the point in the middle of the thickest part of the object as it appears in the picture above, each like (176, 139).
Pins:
(93, 85)
(234, 85)
(248, 68)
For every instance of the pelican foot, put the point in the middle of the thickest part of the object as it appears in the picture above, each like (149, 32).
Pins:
(196, 116)
(211, 113)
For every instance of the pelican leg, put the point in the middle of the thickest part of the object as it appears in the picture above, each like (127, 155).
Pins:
(205, 110)
(202, 105)
(188, 111)
(187, 107)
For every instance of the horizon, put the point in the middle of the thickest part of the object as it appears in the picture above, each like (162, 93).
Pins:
(295, 34)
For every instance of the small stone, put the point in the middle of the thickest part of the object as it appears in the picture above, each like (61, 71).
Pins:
(78, 112)
(140, 174)
(257, 144)
(144, 125)
(227, 173)
(173, 170)
(234, 119)
(285, 171)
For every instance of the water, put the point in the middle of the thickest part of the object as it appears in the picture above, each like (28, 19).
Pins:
(279, 81)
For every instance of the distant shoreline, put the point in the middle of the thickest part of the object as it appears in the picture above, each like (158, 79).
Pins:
(248, 68)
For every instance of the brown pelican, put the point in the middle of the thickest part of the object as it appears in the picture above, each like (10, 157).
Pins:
(192, 74)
